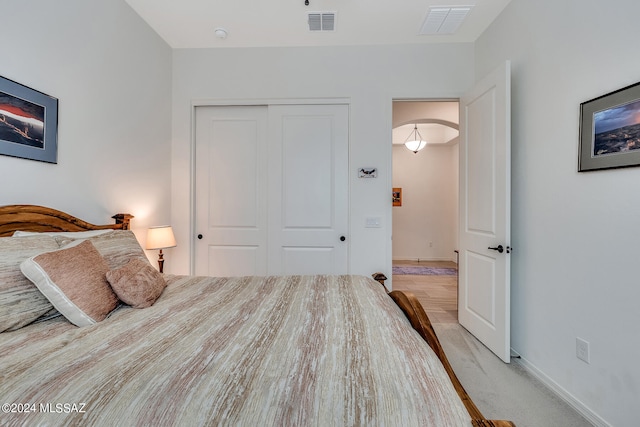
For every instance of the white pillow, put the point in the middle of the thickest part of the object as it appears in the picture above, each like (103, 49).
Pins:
(70, 234)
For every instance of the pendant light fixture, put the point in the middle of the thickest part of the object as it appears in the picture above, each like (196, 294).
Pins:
(414, 141)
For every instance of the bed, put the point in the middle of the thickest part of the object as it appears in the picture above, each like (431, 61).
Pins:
(288, 351)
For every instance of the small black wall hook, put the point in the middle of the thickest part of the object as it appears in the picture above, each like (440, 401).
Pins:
(306, 2)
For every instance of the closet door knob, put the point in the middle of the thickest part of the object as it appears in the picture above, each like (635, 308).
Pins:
(199, 236)
(342, 238)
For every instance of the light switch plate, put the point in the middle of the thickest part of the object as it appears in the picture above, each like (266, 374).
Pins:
(373, 222)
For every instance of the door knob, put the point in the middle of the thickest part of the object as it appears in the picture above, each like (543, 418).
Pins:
(199, 236)
(342, 238)
(498, 248)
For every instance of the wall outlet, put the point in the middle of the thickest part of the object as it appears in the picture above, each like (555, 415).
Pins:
(582, 350)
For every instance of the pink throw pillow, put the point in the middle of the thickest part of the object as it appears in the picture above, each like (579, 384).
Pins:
(137, 284)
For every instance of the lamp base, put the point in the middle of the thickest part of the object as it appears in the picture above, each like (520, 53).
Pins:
(160, 262)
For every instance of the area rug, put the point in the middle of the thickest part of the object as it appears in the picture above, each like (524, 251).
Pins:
(425, 271)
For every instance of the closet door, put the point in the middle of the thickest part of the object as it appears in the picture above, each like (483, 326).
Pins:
(271, 189)
(231, 191)
(308, 189)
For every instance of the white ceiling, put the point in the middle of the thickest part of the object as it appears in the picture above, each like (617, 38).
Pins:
(191, 23)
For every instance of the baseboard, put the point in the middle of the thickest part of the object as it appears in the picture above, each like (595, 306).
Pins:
(563, 394)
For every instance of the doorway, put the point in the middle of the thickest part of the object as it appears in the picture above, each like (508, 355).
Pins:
(425, 212)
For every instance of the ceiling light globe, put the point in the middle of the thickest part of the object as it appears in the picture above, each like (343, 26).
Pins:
(415, 146)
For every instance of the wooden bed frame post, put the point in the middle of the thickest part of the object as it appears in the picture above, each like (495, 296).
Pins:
(124, 219)
(380, 278)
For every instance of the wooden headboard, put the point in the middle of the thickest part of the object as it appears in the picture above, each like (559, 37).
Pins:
(42, 219)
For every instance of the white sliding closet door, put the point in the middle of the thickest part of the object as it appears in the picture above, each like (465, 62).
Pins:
(271, 188)
(231, 191)
(308, 189)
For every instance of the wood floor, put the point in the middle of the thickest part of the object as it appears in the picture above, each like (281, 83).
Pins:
(437, 294)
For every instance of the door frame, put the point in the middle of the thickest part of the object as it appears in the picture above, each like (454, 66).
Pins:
(453, 98)
(250, 102)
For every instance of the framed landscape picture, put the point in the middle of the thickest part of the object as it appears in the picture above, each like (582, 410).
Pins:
(610, 130)
(28, 123)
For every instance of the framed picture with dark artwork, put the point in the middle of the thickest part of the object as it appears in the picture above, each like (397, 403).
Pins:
(610, 130)
(28, 123)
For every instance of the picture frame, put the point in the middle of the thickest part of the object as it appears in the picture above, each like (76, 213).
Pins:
(396, 196)
(28, 123)
(610, 130)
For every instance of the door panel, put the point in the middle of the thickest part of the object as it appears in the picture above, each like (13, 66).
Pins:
(233, 165)
(308, 182)
(231, 190)
(301, 260)
(481, 149)
(228, 260)
(485, 212)
(307, 169)
(480, 297)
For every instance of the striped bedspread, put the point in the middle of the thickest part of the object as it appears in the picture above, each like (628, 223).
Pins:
(249, 351)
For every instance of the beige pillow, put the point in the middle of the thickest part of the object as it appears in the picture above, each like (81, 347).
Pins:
(20, 301)
(117, 247)
(74, 280)
(137, 283)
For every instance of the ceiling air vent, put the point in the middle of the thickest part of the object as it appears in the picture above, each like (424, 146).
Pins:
(322, 21)
(444, 19)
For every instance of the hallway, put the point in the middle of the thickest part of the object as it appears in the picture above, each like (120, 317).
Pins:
(438, 294)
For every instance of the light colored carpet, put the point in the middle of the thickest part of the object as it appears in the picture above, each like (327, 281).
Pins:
(500, 390)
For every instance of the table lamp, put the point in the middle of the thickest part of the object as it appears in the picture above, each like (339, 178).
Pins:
(160, 237)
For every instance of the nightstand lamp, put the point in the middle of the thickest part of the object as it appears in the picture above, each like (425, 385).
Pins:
(160, 237)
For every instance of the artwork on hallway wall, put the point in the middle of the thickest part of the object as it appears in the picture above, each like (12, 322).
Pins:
(28, 123)
(396, 196)
(610, 130)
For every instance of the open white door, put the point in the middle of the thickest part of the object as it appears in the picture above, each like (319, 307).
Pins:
(485, 211)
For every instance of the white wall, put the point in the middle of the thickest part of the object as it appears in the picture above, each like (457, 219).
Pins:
(424, 226)
(575, 263)
(112, 76)
(371, 77)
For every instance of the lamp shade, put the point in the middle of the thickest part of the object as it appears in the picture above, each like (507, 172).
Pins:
(160, 237)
